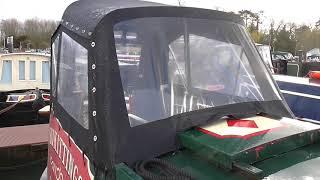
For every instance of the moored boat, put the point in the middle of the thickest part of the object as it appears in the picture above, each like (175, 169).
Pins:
(302, 95)
(24, 88)
(23, 151)
(299, 84)
(200, 104)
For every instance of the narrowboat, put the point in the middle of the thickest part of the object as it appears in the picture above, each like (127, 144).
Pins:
(24, 88)
(199, 104)
(301, 93)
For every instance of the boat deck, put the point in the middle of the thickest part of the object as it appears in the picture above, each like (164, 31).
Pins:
(23, 135)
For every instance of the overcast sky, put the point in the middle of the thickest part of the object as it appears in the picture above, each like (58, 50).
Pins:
(301, 12)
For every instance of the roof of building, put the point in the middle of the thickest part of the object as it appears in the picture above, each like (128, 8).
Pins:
(26, 54)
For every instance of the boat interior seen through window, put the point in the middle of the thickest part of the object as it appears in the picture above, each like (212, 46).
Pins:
(184, 67)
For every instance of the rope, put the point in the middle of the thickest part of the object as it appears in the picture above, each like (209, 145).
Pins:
(158, 169)
(2, 111)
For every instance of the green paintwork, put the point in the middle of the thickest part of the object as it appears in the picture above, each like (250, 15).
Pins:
(276, 154)
(202, 169)
(282, 161)
(123, 172)
(308, 169)
(248, 169)
(294, 69)
(224, 152)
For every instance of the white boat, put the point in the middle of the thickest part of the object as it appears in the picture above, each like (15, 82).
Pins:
(24, 71)
(301, 93)
(24, 88)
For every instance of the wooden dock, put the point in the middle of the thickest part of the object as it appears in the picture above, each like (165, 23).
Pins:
(23, 135)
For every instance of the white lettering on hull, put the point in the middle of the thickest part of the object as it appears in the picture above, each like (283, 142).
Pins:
(65, 157)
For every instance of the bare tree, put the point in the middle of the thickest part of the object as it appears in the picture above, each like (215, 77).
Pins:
(247, 16)
(39, 32)
(273, 32)
(252, 20)
(11, 27)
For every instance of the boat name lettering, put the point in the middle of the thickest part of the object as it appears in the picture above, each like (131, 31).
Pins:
(64, 155)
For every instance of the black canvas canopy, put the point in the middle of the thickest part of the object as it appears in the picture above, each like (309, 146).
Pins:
(107, 137)
(82, 17)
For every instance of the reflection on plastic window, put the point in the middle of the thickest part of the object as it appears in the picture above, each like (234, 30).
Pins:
(177, 62)
(184, 65)
(55, 51)
(226, 62)
(73, 80)
(128, 53)
(128, 50)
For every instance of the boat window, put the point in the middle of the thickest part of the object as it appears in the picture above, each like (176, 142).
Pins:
(6, 75)
(45, 72)
(22, 70)
(183, 64)
(32, 70)
(72, 91)
(55, 51)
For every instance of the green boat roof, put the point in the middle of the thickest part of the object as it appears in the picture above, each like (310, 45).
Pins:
(231, 141)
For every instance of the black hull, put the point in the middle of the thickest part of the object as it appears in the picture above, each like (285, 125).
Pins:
(21, 162)
(21, 114)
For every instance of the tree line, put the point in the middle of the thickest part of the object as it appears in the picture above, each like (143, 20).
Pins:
(290, 37)
(32, 33)
(283, 36)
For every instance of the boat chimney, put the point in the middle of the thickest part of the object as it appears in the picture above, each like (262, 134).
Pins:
(10, 44)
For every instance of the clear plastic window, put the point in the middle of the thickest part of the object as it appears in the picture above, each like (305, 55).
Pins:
(183, 65)
(222, 67)
(55, 51)
(73, 80)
